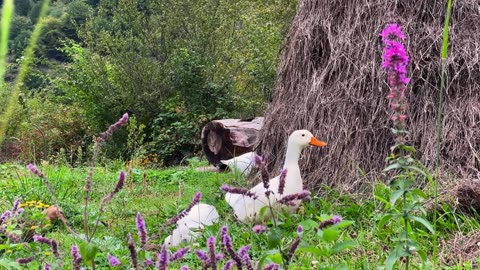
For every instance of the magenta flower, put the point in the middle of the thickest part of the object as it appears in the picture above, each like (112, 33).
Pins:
(258, 229)
(179, 254)
(297, 196)
(77, 258)
(25, 260)
(120, 123)
(391, 32)
(281, 185)
(299, 229)
(237, 190)
(142, 229)
(47, 267)
(272, 266)
(33, 169)
(336, 219)
(184, 267)
(184, 213)
(113, 260)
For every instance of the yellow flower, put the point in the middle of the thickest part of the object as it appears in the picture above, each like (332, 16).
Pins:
(39, 206)
(30, 202)
(46, 205)
(47, 253)
(33, 227)
(47, 225)
(9, 251)
(22, 205)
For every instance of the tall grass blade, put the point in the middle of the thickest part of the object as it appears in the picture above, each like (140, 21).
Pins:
(440, 119)
(28, 59)
(7, 12)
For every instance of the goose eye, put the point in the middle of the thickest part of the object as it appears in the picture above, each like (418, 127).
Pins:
(303, 135)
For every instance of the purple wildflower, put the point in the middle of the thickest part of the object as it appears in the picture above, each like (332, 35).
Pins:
(15, 206)
(47, 267)
(228, 246)
(228, 265)
(5, 216)
(41, 239)
(32, 168)
(211, 250)
(258, 161)
(334, 220)
(133, 252)
(237, 190)
(163, 259)
(272, 266)
(25, 260)
(293, 248)
(202, 255)
(142, 229)
(147, 262)
(184, 267)
(219, 256)
(258, 229)
(120, 182)
(20, 211)
(179, 254)
(120, 123)
(113, 260)
(184, 213)
(281, 185)
(391, 32)
(54, 246)
(77, 258)
(297, 196)
(243, 250)
(299, 229)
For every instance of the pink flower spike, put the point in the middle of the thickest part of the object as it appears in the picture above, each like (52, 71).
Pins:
(392, 31)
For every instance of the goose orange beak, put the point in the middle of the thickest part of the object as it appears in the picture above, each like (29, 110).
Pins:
(315, 142)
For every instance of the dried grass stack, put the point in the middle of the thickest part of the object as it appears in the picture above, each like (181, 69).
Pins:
(330, 82)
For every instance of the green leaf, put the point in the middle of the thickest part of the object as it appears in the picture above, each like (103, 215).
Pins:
(308, 224)
(390, 261)
(384, 220)
(395, 196)
(424, 222)
(339, 247)
(343, 224)
(313, 250)
(7, 264)
(88, 251)
(419, 193)
(274, 238)
(445, 30)
(393, 167)
(330, 235)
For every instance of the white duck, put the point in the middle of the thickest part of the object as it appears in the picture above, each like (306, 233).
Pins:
(242, 164)
(200, 215)
(247, 209)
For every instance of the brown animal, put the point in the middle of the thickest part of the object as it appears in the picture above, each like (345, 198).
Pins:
(54, 213)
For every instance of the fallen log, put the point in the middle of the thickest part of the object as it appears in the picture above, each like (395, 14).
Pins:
(228, 138)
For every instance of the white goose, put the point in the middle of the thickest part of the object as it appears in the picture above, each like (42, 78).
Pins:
(247, 209)
(200, 215)
(242, 164)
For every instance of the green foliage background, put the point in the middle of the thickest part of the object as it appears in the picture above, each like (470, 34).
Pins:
(174, 65)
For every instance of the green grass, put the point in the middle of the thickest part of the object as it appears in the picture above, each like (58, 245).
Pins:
(161, 194)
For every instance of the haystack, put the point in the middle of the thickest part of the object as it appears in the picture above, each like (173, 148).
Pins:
(330, 82)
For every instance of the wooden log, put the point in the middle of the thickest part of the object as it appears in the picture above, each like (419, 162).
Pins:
(228, 138)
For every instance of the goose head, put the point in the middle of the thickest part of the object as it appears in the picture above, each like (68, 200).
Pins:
(303, 138)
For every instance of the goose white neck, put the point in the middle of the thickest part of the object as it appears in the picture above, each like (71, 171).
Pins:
(293, 154)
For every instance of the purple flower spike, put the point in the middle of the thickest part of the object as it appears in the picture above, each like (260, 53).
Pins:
(133, 251)
(120, 183)
(258, 229)
(237, 190)
(228, 265)
(179, 254)
(5, 216)
(77, 259)
(184, 213)
(299, 229)
(120, 123)
(392, 31)
(15, 206)
(272, 266)
(142, 229)
(258, 161)
(281, 185)
(336, 219)
(47, 267)
(202, 255)
(163, 259)
(25, 260)
(297, 196)
(184, 267)
(113, 260)
(33, 169)
(211, 250)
